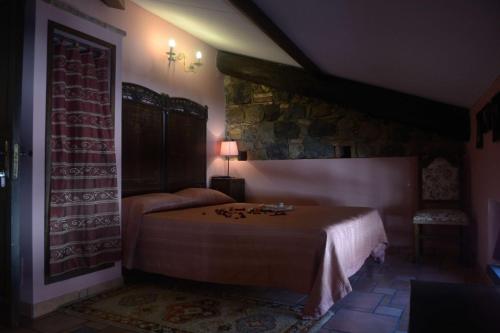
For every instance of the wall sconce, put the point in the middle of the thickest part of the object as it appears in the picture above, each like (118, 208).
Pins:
(173, 57)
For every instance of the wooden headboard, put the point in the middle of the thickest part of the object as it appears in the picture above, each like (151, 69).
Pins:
(163, 142)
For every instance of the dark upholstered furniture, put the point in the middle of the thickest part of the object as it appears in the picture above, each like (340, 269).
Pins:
(449, 307)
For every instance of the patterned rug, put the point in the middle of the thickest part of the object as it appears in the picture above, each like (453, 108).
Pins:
(160, 309)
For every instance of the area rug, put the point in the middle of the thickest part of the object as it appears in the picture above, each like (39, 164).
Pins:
(160, 309)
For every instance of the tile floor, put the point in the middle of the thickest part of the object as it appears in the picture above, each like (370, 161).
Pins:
(379, 302)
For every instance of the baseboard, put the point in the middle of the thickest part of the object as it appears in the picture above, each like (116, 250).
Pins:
(39, 309)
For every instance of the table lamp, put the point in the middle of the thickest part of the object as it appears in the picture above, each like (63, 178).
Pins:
(228, 149)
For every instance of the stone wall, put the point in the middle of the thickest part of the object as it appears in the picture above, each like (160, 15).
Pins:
(275, 124)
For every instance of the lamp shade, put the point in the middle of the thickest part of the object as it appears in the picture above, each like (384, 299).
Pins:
(228, 148)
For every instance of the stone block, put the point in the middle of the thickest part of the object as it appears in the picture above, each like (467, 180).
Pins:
(265, 132)
(247, 145)
(254, 113)
(286, 130)
(250, 134)
(295, 150)
(314, 148)
(235, 133)
(260, 89)
(320, 110)
(295, 112)
(366, 150)
(272, 112)
(297, 99)
(321, 128)
(234, 115)
(348, 127)
(277, 151)
(257, 154)
(238, 93)
(280, 96)
(263, 98)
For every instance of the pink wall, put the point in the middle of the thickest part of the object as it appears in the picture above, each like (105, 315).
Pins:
(145, 63)
(388, 184)
(142, 60)
(484, 173)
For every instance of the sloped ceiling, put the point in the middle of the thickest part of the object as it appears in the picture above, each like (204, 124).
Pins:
(444, 50)
(219, 24)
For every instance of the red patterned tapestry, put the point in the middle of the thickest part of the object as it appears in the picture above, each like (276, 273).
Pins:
(84, 218)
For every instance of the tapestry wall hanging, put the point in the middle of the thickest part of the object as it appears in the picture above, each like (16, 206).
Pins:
(82, 208)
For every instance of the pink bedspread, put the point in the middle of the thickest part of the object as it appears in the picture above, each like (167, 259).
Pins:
(313, 249)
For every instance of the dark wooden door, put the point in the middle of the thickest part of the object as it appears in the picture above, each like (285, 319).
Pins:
(11, 37)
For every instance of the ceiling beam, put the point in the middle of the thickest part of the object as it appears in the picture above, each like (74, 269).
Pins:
(259, 18)
(445, 119)
(117, 4)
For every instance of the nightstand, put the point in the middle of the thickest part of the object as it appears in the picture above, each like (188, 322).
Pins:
(234, 187)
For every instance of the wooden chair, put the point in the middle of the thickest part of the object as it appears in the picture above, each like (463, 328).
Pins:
(441, 200)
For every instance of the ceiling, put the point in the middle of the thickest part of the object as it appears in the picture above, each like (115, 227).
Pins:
(219, 24)
(445, 50)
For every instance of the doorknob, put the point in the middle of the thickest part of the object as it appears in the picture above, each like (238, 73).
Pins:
(4, 169)
(2, 179)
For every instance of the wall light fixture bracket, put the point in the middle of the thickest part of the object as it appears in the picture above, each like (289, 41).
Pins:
(173, 57)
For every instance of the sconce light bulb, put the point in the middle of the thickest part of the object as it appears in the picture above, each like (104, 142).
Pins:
(171, 43)
(198, 55)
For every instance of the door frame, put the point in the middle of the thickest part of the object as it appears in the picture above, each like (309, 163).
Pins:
(16, 18)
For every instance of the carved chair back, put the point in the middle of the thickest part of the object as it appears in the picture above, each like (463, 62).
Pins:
(441, 180)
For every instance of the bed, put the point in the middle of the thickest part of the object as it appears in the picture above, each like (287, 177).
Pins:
(200, 234)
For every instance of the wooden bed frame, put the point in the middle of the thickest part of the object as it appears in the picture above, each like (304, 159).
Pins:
(163, 142)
